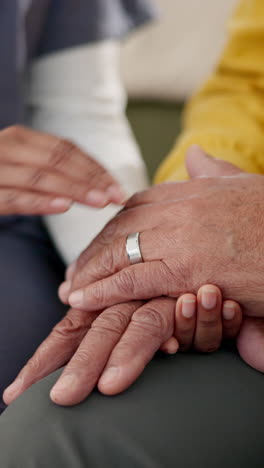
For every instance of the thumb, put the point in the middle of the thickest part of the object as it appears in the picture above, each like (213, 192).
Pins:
(198, 164)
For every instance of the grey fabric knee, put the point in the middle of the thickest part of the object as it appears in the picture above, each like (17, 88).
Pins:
(187, 411)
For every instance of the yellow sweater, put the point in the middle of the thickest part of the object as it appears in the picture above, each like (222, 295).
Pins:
(226, 117)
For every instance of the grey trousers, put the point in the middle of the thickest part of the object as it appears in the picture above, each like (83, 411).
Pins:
(187, 411)
(30, 273)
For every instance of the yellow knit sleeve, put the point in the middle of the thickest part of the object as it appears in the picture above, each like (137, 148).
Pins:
(226, 117)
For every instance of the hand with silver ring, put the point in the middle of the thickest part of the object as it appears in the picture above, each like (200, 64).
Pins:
(152, 322)
(190, 233)
(133, 248)
(104, 334)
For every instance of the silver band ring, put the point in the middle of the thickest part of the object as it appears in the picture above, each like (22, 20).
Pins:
(133, 248)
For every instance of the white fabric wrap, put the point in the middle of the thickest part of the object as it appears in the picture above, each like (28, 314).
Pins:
(78, 94)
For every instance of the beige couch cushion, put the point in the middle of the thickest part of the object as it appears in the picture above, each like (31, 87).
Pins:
(170, 58)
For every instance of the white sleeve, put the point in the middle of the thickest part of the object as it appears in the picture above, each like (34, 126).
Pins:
(78, 94)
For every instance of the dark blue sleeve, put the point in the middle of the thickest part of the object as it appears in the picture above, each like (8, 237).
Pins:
(73, 22)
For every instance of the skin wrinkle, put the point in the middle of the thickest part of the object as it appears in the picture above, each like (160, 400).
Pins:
(201, 250)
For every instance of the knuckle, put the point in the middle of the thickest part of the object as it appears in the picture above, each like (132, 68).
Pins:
(82, 357)
(74, 189)
(209, 323)
(177, 272)
(88, 365)
(98, 293)
(127, 282)
(150, 319)
(61, 153)
(109, 232)
(35, 203)
(34, 365)
(98, 176)
(11, 197)
(71, 326)
(108, 261)
(114, 320)
(35, 177)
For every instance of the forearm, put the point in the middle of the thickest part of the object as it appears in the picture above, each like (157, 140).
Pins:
(78, 94)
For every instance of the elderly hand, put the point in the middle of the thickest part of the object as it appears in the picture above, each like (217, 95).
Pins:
(127, 335)
(111, 349)
(251, 339)
(42, 174)
(212, 231)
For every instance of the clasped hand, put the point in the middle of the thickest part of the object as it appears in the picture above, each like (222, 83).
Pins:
(192, 233)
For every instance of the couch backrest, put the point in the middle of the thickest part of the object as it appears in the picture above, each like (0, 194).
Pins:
(171, 57)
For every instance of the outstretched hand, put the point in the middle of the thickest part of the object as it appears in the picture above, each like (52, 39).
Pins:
(43, 174)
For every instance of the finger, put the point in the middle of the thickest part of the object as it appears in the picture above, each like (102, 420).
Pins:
(185, 318)
(232, 319)
(111, 259)
(150, 326)
(53, 153)
(17, 202)
(70, 271)
(171, 346)
(84, 369)
(42, 180)
(199, 163)
(133, 220)
(208, 334)
(106, 263)
(250, 342)
(53, 353)
(137, 282)
(81, 272)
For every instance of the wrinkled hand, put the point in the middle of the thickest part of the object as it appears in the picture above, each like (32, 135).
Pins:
(247, 230)
(42, 174)
(112, 349)
(125, 336)
(251, 339)
(212, 231)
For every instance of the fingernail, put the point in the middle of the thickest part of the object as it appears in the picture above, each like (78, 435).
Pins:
(188, 308)
(76, 298)
(229, 311)
(70, 271)
(63, 385)
(110, 375)
(97, 197)
(64, 290)
(209, 298)
(61, 203)
(116, 194)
